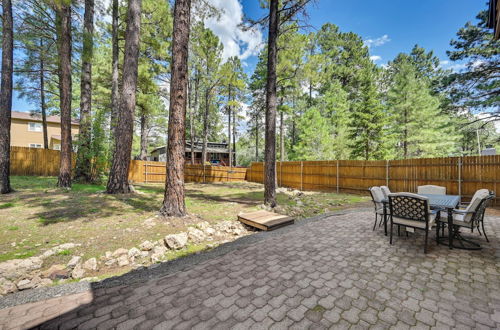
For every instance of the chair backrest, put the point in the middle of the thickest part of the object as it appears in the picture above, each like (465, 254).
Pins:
(377, 196)
(476, 202)
(409, 206)
(431, 189)
(479, 193)
(481, 208)
(386, 191)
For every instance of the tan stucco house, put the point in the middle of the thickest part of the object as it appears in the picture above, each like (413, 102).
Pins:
(27, 130)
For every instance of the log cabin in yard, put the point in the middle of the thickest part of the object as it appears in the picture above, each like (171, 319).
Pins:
(217, 153)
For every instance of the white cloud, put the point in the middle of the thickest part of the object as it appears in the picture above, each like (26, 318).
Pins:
(455, 67)
(377, 41)
(236, 41)
(375, 58)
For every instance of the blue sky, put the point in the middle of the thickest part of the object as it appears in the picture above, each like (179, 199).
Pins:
(392, 26)
(429, 23)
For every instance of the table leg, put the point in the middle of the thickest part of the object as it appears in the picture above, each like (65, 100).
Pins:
(385, 219)
(450, 228)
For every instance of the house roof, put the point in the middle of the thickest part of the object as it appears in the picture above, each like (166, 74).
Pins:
(212, 147)
(38, 117)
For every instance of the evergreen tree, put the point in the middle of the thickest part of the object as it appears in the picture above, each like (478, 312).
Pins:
(368, 121)
(233, 87)
(420, 130)
(478, 86)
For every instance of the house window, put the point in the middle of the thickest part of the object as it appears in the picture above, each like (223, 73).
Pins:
(35, 145)
(57, 146)
(214, 156)
(35, 127)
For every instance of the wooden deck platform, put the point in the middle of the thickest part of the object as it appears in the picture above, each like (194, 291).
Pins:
(265, 220)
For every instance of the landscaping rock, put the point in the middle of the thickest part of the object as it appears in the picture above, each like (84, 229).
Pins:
(89, 279)
(176, 241)
(230, 227)
(74, 261)
(66, 246)
(48, 253)
(146, 246)
(46, 282)
(25, 284)
(7, 286)
(15, 268)
(110, 262)
(56, 272)
(206, 228)
(119, 252)
(123, 260)
(90, 264)
(108, 255)
(133, 252)
(196, 235)
(158, 253)
(78, 272)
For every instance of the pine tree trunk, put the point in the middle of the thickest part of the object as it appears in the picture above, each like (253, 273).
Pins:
(118, 176)
(271, 106)
(173, 202)
(256, 138)
(282, 138)
(195, 109)
(144, 137)
(234, 139)
(63, 19)
(43, 106)
(6, 95)
(115, 93)
(229, 132)
(84, 157)
(205, 127)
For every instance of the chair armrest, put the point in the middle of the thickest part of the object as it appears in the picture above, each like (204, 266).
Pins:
(457, 211)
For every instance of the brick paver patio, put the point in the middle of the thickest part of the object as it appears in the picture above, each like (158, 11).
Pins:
(333, 272)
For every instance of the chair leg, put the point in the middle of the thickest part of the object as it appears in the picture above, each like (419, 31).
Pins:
(390, 239)
(437, 231)
(375, 225)
(484, 232)
(399, 230)
(425, 244)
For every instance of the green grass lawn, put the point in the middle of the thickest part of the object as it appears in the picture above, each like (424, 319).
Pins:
(38, 215)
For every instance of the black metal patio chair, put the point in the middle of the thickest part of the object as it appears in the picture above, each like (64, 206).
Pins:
(413, 211)
(471, 217)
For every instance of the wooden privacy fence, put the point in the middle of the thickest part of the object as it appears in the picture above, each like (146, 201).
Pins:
(460, 175)
(35, 161)
(155, 172)
(45, 162)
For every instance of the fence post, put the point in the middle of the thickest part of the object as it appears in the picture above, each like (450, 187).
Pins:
(281, 174)
(459, 176)
(146, 172)
(387, 173)
(204, 172)
(338, 176)
(301, 175)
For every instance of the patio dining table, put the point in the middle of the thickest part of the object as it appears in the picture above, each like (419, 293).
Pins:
(436, 202)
